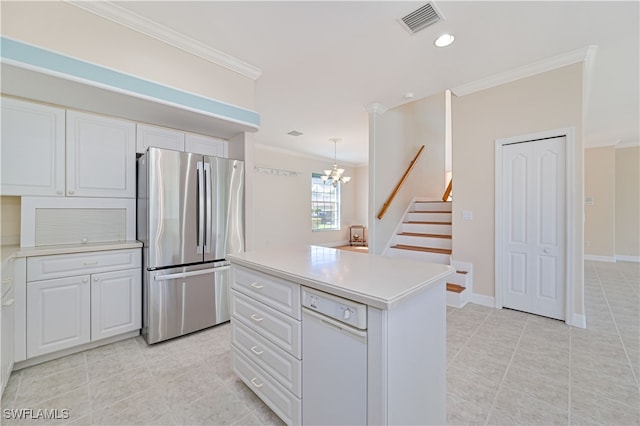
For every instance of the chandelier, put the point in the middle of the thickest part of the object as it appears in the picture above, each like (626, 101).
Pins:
(334, 176)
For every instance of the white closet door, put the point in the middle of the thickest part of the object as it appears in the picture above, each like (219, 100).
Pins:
(534, 226)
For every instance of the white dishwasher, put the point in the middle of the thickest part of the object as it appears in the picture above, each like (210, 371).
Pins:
(334, 360)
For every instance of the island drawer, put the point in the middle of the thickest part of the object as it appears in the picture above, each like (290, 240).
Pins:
(286, 369)
(285, 404)
(67, 265)
(272, 291)
(274, 326)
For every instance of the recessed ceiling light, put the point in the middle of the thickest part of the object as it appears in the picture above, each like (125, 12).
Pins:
(444, 40)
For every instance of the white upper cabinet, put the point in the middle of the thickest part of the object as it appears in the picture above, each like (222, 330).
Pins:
(162, 137)
(205, 145)
(33, 148)
(159, 137)
(101, 156)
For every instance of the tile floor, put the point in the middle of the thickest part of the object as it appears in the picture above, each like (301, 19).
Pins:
(504, 367)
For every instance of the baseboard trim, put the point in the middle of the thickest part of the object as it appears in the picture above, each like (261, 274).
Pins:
(481, 299)
(598, 258)
(578, 320)
(625, 258)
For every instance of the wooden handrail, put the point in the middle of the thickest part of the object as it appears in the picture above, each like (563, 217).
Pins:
(400, 183)
(447, 191)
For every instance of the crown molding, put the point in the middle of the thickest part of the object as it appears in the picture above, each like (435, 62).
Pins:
(122, 16)
(632, 144)
(554, 62)
(304, 155)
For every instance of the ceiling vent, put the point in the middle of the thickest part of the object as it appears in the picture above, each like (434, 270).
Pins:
(421, 18)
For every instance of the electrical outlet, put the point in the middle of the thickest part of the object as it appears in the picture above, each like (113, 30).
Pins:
(467, 215)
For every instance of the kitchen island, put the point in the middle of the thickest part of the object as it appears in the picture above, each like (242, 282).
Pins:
(394, 372)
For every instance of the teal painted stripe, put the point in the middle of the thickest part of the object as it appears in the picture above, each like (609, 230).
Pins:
(42, 58)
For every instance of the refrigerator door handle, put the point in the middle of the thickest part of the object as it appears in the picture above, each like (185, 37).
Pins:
(201, 205)
(190, 274)
(209, 226)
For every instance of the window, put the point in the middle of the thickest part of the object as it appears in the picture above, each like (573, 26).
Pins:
(325, 205)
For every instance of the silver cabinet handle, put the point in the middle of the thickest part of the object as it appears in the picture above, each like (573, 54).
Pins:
(256, 285)
(256, 318)
(256, 384)
(547, 251)
(71, 192)
(59, 192)
(6, 280)
(90, 263)
(256, 351)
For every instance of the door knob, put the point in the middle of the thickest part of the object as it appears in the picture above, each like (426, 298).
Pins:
(547, 251)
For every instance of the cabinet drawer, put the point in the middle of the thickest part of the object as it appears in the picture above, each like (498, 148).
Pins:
(65, 265)
(275, 326)
(286, 369)
(286, 405)
(275, 292)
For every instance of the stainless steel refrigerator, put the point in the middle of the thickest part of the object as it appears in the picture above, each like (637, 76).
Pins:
(190, 211)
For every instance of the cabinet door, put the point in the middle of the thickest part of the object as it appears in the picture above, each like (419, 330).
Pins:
(159, 137)
(116, 303)
(7, 337)
(32, 149)
(58, 314)
(205, 145)
(101, 156)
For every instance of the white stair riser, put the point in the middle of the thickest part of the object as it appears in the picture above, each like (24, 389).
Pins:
(409, 240)
(428, 217)
(432, 206)
(419, 255)
(460, 279)
(457, 300)
(426, 229)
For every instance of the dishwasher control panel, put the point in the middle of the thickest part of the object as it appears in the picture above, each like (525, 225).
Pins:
(343, 310)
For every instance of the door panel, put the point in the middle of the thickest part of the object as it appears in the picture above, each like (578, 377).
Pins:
(183, 300)
(225, 233)
(173, 208)
(533, 191)
(58, 314)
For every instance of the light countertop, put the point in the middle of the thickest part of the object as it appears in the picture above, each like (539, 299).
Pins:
(377, 281)
(17, 251)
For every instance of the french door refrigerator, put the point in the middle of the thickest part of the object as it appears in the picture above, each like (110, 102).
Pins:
(190, 216)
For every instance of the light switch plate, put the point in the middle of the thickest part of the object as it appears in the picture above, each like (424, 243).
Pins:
(467, 215)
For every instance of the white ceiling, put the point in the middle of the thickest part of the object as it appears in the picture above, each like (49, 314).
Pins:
(323, 62)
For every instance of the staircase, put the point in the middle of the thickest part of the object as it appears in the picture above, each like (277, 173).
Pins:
(425, 235)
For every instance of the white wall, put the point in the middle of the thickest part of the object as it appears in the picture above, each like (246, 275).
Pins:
(282, 204)
(627, 201)
(600, 186)
(394, 139)
(66, 29)
(548, 101)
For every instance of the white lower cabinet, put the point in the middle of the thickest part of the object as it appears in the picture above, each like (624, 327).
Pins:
(266, 338)
(7, 336)
(115, 303)
(58, 314)
(99, 300)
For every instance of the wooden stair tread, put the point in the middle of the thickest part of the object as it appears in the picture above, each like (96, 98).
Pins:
(425, 249)
(417, 234)
(455, 288)
(428, 223)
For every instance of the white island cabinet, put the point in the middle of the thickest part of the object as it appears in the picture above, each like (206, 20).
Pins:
(403, 339)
